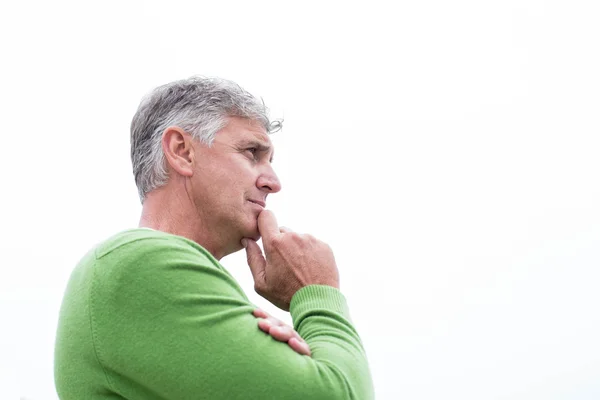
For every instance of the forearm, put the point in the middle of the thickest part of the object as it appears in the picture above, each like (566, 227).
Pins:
(321, 317)
(178, 326)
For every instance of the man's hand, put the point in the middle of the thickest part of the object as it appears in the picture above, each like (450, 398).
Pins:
(291, 262)
(281, 332)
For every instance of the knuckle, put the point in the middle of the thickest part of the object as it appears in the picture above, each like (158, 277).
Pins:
(258, 288)
(313, 240)
(296, 237)
(275, 241)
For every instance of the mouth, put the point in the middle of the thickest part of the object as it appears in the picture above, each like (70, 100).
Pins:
(260, 203)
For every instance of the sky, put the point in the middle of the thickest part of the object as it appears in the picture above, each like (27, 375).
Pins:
(446, 151)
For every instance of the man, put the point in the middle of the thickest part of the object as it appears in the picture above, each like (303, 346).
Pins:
(150, 313)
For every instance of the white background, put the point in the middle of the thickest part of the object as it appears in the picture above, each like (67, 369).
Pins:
(447, 151)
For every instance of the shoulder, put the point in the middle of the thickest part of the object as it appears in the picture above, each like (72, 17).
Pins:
(145, 243)
(143, 258)
(146, 251)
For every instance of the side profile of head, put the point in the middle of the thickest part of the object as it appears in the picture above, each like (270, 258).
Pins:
(201, 157)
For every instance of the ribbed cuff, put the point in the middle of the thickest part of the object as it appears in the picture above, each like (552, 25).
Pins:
(318, 297)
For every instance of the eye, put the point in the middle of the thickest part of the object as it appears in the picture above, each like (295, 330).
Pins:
(253, 152)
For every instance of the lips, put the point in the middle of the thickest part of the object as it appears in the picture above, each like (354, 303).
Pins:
(260, 203)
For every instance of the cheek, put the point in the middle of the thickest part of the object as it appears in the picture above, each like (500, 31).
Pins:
(243, 178)
(233, 177)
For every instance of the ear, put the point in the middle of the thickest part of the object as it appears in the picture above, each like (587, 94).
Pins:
(179, 150)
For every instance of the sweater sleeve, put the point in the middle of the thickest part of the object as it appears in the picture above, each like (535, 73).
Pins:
(169, 322)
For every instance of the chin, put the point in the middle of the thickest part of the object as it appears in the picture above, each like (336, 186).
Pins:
(251, 231)
(254, 235)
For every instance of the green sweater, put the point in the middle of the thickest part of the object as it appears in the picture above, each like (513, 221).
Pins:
(149, 315)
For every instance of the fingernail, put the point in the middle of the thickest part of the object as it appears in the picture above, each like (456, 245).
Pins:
(245, 243)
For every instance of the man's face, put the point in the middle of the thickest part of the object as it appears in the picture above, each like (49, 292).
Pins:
(232, 179)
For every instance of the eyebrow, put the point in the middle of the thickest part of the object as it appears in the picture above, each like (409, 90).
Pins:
(261, 146)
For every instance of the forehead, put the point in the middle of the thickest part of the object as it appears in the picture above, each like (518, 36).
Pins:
(239, 130)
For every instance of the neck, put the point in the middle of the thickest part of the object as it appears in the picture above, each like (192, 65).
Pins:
(171, 213)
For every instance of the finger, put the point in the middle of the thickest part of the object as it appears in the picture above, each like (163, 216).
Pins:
(258, 313)
(285, 229)
(299, 347)
(285, 334)
(281, 333)
(275, 322)
(265, 325)
(267, 225)
(256, 260)
(297, 335)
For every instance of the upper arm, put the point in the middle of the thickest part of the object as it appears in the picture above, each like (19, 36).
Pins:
(175, 325)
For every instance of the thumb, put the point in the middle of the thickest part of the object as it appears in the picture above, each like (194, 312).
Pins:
(256, 262)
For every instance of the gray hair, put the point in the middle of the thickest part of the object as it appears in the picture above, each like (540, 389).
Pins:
(199, 106)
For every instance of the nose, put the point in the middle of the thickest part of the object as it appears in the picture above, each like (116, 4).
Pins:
(268, 181)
